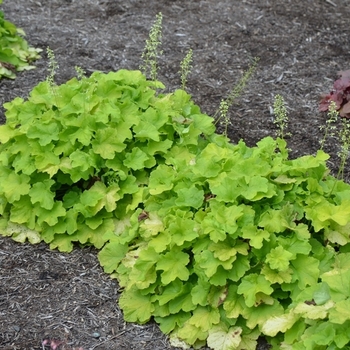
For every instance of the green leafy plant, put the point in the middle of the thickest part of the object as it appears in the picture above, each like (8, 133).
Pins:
(83, 147)
(15, 54)
(219, 243)
(231, 245)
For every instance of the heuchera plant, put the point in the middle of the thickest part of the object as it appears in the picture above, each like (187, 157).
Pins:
(75, 157)
(340, 95)
(218, 243)
(15, 54)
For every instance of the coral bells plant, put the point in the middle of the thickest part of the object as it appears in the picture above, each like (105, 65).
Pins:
(340, 95)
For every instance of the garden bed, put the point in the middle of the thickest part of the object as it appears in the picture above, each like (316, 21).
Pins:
(301, 45)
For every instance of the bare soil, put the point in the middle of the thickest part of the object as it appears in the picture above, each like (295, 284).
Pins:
(302, 44)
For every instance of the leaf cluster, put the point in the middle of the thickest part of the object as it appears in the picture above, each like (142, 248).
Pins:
(75, 158)
(15, 54)
(234, 242)
(218, 243)
(340, 95)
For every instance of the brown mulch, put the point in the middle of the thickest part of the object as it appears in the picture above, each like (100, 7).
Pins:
(302, 44)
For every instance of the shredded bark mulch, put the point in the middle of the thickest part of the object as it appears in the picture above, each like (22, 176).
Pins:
(302, 44)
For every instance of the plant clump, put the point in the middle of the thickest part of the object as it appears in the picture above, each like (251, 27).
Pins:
(233, 243)
(75, 157)
(15, 54)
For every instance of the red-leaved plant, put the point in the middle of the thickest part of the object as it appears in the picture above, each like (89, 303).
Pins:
(340, 95)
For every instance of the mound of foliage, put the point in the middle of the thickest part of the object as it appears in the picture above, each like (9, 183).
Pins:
(219, 243)
(15, 54)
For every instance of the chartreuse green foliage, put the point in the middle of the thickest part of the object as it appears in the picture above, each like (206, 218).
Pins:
(77, 158)
(15, 54)
(233, 242)
(219, 243)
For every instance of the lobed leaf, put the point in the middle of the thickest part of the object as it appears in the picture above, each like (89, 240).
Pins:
(108, 142)
(41, 193)
(14, 185)
(221, 339)
(307, 270)
(21, 233)
(136, 306)
(281, 323)
(251, 285)
(174, 265)
(111, 255)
